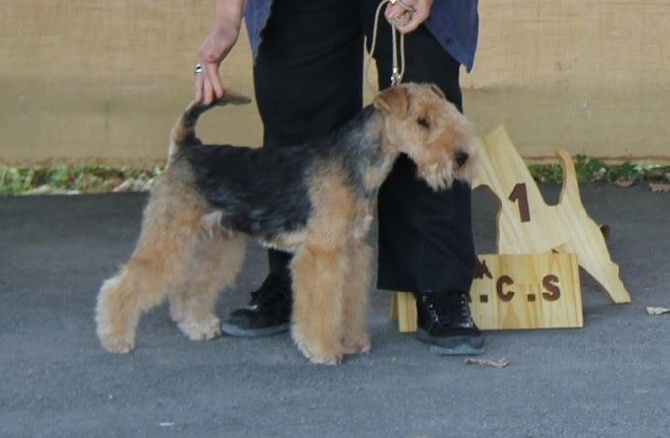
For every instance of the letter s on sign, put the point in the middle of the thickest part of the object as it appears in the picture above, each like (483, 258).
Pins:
(550, 284)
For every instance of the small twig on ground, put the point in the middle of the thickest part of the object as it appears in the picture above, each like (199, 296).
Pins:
(502, 363)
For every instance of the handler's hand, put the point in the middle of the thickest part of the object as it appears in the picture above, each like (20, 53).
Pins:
(213, 51)
(215, 48)
(406, 21)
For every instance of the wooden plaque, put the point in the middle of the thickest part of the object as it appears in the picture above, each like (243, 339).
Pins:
(514, 291)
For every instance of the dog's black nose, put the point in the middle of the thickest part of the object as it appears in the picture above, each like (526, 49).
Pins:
(461, 157)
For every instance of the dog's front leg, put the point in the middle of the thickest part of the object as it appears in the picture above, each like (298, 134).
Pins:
(318, 278)
(356, 338)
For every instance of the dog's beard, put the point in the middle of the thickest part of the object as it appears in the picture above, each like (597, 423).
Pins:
(439, 176)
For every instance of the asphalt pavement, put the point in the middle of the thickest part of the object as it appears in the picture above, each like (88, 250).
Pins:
(610, 378)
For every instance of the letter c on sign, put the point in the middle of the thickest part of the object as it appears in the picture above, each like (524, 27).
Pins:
(504, 280)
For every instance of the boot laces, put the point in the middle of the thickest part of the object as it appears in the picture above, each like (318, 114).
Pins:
(449, 309)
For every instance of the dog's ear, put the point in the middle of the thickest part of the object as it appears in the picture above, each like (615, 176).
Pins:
(437, 90)
(394, 100)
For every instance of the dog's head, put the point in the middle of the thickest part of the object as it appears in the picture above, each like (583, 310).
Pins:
(420, 122)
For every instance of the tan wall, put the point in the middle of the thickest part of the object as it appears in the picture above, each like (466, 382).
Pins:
(96, 80)
(104, 80)
(589, 76)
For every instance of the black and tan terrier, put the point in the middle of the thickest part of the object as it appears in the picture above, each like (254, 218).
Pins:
(314, 200)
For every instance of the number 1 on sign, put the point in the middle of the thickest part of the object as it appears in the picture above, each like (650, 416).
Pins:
(519, 194)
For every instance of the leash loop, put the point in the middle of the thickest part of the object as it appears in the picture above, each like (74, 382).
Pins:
(398, 39)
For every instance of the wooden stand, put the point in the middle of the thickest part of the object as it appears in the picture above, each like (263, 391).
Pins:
(514, 292)
(539, 247)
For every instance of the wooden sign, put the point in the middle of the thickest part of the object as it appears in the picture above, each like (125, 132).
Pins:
(527, 225)
(514, 291)
(526, 291)
(534, 280)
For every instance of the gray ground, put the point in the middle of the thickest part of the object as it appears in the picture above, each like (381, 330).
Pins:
(610, 378)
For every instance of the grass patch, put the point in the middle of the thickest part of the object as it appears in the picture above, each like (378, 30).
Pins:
(16, 181)
(593, 170)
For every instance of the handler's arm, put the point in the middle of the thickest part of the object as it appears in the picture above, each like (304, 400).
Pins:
(216, 46)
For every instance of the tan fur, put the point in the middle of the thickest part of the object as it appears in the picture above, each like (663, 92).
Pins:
(320, 269)
(185, 256)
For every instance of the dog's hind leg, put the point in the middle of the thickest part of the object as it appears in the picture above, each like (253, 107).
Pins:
(140, 285)
(214, 268)
(161, 260)
(356, 338)
(318, 278)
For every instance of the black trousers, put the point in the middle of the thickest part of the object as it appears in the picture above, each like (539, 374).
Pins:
(425, 237)
(307, 76)
(308, 81)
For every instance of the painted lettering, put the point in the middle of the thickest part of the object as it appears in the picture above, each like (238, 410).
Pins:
(504, 280)
(550, 285)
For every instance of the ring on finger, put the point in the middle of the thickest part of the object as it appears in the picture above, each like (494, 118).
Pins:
(403, 20)
(406, 7)
(198, 69)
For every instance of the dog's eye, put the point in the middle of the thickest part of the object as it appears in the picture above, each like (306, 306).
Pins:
(423, 122)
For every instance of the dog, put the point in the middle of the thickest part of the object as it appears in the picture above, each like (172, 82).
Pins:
(315, 200)
(526, 224)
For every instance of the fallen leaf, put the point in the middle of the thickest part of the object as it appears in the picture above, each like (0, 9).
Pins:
(658, 310)
(624, 182)
(659, 188)
(502, 363)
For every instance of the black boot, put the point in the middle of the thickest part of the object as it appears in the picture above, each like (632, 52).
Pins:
(268, 312)
(444, 321)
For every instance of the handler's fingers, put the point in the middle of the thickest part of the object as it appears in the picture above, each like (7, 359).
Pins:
(214, 80)
(405, 19)
(198, 84)
(207, 92)
(407, 26)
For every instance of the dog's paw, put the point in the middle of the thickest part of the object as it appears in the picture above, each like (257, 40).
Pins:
(322, 357)
(357, 344)
(319, 353)
(117, 344)
(201, 330)
(115, 340)
(326, 350)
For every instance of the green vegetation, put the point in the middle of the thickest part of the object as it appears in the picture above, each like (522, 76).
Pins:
(74, 179)
(593, 170)
(16, 181)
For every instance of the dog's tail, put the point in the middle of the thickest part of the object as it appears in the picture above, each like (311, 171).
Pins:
(183, 132)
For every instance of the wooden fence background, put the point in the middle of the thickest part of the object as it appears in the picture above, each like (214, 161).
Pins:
(103, 80)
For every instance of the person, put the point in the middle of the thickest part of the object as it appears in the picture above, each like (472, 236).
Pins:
(308, 75)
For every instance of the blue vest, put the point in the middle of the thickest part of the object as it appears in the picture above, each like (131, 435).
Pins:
(454, 23)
